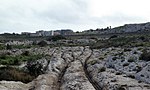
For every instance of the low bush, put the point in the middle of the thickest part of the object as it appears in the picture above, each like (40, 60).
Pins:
(131, 59)
(102, 69)
(114, 36)
(125, 64)
(34, 68)
(8, 47)
(13, 74)
(145, 55)
(42, 43)
(93, 62)
(127, 42)
(16, 60)
(56, 38)
(2, 47)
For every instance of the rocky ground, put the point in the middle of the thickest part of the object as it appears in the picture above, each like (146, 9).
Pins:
(82, 68)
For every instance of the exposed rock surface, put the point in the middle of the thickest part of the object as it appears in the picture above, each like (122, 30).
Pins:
(80, 68)
(11, 85)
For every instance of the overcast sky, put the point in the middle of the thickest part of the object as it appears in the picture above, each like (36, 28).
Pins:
(78, 15)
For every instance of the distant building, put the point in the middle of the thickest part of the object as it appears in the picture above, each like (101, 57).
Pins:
(41, 32)
(63, 32)
(25, 33)
(57, 32)
(50, 33)
(66, 32)
(45, 33)
(35, 34)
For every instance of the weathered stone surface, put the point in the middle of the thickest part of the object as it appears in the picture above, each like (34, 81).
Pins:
(75, 78)
(80, 68)
(45, 82)
(12, 85)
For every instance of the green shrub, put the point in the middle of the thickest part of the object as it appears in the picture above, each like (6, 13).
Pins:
(26, 53)
(56, 38)
(2, 47)
(92, 62)
(34, 68)
(13, 74)
(114, 36)
(8, 47)
(127, 50)
(102, 69)
(126, 41)
(131, 59)
(16, 60)
(42, 43)
(145, 55)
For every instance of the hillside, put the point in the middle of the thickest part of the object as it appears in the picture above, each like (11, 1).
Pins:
(118, 59)
(127, 28)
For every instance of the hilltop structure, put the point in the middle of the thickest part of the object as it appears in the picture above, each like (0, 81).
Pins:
(50, 33)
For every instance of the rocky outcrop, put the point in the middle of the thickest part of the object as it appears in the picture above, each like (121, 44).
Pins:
(80, 68)
(119, 73)
(66, 71)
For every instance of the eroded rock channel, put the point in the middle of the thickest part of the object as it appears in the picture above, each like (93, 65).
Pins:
(80, 68)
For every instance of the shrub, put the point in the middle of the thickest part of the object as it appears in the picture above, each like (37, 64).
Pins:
(13, 74)
(125, 64)
(34, 68)
(127, 50)
(2, 46)
(101, 58)
(145, 55)
(57, 37)
(102, 69)
(114, 36)
(42, 43)
(142, 38)
(131, 59)
(93, 62)
(8, 47)
(114, 58)
(16, 60)
(26, 53)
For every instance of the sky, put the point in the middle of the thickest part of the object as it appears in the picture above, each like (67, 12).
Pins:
(33, 15)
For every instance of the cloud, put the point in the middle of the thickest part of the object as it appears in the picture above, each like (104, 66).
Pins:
(32, 15)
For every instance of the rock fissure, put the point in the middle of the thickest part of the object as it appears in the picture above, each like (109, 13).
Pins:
(95, 85)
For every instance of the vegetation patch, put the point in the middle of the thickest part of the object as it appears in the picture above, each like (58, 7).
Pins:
(125, 64)
(93, 62)
(14, 74)
(145, 55)
(42, 43)
(126, 42)
(56, 38)
(131, 59)
(102, 69)
(16, 60)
